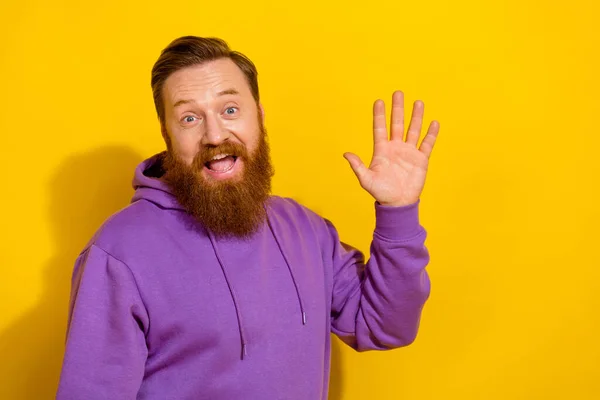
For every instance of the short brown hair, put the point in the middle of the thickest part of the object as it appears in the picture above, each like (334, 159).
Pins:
(187, 51)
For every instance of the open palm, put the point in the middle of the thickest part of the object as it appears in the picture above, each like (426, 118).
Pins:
(396, 174)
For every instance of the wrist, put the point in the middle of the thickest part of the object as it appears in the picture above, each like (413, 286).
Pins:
(402, 203)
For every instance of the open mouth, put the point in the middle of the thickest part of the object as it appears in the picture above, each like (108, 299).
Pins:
(221, 163)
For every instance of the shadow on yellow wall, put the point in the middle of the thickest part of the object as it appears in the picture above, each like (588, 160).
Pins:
(84, 191)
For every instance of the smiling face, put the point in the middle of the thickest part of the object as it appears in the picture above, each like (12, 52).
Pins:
(211, 118)
(217, 163)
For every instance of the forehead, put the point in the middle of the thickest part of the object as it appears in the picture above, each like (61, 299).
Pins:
(202, 82)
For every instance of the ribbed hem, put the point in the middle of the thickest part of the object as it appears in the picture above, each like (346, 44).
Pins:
(397, 223)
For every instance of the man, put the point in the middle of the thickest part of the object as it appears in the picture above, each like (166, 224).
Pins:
(207, 287)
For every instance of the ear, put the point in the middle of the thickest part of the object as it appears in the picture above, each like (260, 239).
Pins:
(262, 111)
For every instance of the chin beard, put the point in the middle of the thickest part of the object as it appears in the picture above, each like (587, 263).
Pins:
(228, 208)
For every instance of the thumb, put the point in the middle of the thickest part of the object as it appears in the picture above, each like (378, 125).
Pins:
(359, 168)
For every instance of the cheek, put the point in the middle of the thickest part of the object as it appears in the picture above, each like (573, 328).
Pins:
(185, 147)
(249, 134)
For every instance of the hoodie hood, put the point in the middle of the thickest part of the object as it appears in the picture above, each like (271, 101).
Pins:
(148, 186)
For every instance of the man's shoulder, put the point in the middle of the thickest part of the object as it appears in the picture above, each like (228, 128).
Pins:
(296, 212)
(132, 224)
(289, 205)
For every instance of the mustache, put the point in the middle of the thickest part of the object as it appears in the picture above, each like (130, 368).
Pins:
(208, 152)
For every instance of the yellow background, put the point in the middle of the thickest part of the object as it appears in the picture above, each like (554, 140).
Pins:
(511, 203)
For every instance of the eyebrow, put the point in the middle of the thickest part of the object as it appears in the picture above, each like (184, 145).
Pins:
(228, 91)
(221, 93)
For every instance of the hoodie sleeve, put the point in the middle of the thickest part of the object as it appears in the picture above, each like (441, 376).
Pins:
(105, 348)
(378, 306)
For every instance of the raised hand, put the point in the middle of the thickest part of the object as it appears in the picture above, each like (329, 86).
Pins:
(396, 175)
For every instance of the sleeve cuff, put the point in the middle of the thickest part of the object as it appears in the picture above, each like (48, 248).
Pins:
(397, 223)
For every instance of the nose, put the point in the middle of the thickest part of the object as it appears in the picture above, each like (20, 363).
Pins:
(214, 131)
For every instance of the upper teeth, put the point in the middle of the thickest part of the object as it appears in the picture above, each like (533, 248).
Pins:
(220, 156)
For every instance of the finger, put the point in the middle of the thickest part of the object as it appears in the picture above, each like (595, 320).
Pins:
(397, 129)
(416, 121)
(379, 126)
(429, 140)
(360, 169)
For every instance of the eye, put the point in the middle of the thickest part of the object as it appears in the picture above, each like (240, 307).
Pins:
(189, 119)
(231, 110)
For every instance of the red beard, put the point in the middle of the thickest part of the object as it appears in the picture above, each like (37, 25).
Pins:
(230, 207)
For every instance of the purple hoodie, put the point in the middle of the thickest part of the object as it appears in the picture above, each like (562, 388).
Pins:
(162, 309)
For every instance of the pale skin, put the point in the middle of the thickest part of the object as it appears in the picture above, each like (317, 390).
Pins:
(212, 102)
(206, 105)
(396, 175)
